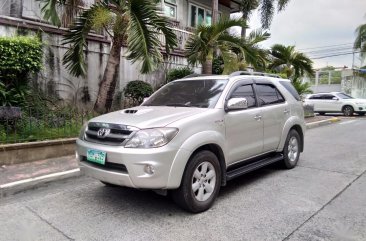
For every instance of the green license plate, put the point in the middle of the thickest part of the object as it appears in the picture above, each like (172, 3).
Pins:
(96, 156)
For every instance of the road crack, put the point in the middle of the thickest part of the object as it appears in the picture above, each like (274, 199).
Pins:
(49, 223)
(329, 202)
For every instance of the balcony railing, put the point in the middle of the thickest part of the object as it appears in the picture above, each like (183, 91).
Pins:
(182, 37)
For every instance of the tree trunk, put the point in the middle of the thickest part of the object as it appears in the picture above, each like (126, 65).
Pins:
(215, 10)
(207, 67)
(243, 32)
(108, 83)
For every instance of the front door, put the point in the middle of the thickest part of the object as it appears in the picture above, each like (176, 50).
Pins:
(244, 128)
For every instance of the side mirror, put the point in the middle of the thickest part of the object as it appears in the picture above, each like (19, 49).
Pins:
(236, 104)
(335, 98)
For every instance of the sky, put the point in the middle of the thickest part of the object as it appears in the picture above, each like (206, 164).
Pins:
(312, 24)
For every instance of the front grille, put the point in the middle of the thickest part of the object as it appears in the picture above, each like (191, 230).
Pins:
(109, 166)
(116, 135)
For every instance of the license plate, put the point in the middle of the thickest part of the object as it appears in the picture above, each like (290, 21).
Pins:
(96, 156)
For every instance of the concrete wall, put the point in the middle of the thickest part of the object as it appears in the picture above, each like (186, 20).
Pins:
(33, 151)
(326, 88)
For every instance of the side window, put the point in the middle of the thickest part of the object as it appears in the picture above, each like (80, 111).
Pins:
(268, 95)
(327, 97)
(247, 92)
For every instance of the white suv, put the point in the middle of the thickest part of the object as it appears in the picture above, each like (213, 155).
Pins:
(195, 134)
(336, 102)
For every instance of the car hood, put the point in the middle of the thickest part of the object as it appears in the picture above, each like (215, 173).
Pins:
(148, 116)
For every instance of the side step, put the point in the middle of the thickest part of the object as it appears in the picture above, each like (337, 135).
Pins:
(252, 166)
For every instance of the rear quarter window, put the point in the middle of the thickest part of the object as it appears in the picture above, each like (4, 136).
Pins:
(290, 88)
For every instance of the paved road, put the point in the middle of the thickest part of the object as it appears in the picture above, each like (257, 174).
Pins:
(324, 198)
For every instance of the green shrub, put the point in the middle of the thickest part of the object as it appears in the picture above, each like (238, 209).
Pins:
(217, 65)
(19, 57)
(137, 90)
(178, 73)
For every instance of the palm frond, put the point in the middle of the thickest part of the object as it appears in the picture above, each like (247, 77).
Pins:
(49, 10)
(282, 4)
(74, 58)
(143, 32)
(267, 10)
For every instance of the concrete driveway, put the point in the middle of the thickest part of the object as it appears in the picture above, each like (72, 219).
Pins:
(324, 198)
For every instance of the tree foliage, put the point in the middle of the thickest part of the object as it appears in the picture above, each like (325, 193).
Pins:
(178, 73)
(360, 41)
(287, 60)
(137, 90)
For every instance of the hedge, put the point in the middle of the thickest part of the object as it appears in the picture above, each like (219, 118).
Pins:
(19, 56)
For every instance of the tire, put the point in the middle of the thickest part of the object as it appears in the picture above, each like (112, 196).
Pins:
(195, 176)
(291, 150)
(109, 184)
(348, 110)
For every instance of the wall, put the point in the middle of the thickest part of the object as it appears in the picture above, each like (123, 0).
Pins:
(54, 77)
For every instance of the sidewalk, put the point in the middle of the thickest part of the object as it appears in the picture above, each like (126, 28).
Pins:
(20, 177)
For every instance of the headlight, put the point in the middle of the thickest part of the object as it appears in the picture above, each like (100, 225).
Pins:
(82, 132)
(151, 138)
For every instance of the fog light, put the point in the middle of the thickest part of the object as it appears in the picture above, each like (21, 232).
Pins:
(149, 169)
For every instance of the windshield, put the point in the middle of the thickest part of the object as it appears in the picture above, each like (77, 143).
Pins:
(188, 93)
(344, 96)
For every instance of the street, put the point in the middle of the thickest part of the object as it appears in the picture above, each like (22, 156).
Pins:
(323, 198)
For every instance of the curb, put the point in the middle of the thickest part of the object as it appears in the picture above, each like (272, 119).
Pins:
(322, 123)
(31, 183)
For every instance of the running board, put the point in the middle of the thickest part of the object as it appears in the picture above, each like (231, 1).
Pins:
(252, 166)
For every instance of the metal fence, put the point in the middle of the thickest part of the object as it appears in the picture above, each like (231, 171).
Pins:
(26, 125)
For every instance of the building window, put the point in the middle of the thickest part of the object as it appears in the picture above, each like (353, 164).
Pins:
(170, 8)
(199, 15)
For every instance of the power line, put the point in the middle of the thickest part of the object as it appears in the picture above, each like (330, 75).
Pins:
(340, 54)
(325, 46)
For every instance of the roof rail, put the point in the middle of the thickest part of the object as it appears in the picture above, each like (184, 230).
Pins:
(196, 75)
(237, 73)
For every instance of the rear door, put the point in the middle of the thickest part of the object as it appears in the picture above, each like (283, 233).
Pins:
(275, 112)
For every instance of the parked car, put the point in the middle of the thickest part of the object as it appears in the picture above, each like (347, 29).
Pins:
(336, 102)
(195, 134)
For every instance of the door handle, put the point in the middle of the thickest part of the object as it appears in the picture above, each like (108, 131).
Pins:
(258, 117)
(286, 111)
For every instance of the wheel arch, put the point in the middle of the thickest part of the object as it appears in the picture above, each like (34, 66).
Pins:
(298, 129)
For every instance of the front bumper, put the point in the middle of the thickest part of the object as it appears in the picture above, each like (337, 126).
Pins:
(135, 161)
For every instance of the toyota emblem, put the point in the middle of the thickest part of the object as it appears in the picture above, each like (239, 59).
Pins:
(103, 132)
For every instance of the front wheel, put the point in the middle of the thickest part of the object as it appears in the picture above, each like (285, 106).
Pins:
(348, 110)
(291, 150)
(200, 183)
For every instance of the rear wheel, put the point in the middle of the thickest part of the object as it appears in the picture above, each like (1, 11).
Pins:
(200, 183)
(348, 110)
(291, 150)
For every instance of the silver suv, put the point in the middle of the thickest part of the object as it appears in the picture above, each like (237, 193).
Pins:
(195, 134)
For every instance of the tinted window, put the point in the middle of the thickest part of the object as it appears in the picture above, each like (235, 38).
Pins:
(247, 92)
(315, 97)
(187, 93)
(327, 97)
(268, 95)
(290, 88)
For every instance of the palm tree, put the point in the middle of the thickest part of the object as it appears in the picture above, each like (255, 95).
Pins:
(201, 46)
(135, 24)
(266, 7)
(360, 41)
(291, 62)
